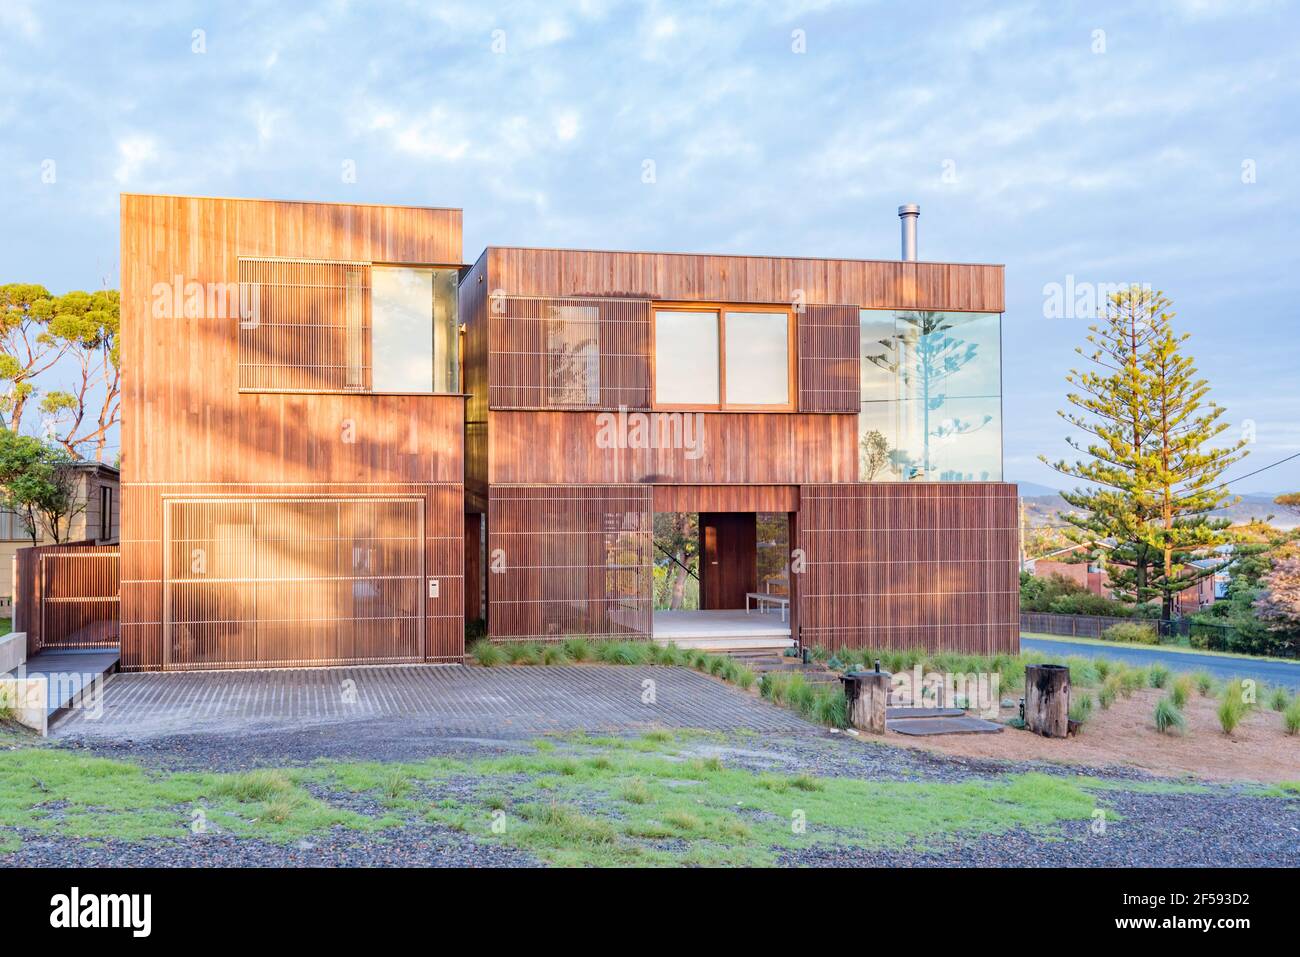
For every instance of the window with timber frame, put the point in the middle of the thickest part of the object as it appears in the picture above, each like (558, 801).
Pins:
(724, 357)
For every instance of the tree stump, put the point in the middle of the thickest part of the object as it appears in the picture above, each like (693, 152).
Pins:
(865, 695)
(1047, 700)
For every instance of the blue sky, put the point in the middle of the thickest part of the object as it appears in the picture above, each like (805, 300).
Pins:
(1027, 136)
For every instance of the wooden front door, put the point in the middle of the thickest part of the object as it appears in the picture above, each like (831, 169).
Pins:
(728, 558)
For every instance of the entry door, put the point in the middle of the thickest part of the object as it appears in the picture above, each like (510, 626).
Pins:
(729, 558)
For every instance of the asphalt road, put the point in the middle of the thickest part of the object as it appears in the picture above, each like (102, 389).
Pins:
(1267, 672)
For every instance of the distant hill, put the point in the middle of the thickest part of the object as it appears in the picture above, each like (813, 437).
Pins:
(1257, 507)
(1034, 489)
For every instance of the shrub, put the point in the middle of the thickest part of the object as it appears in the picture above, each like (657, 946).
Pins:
(1204, 683)
(1279, 699)
(1168, 717)
(1291, 716)
(1181, 691)
(1157, 675)
(487, 654)
(1132, 632)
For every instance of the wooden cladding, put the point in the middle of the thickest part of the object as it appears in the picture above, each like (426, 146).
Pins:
(828, 359)
(570, 560)
(726, 498)
(304, 567)
(568, 353)
(258, 582)
(304, 326)
(930, 565)
(682, 277)
(755, 448)
(66, 597)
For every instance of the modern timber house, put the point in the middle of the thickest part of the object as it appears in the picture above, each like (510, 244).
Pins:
(340, 443)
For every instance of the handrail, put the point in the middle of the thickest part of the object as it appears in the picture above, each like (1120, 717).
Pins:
(673, 559)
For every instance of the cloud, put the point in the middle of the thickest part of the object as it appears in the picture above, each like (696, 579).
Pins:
(133, 152)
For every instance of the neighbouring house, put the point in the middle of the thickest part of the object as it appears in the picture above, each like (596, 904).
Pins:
(341, 443)
(1090, 574)
(97, 519)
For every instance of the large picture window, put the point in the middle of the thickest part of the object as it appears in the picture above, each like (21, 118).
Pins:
(931, 396)
(347, 327)
(724, 358)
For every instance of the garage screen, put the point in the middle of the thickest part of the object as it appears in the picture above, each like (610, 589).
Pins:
(276, 582)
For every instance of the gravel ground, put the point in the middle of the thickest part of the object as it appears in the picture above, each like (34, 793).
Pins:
(1228, 825)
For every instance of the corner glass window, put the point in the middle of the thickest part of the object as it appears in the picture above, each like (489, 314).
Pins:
(931, 385)
(414, 329)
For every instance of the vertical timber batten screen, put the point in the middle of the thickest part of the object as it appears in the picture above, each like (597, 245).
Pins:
(68, 597)
(894, 565)
(304, 326)
(828, 359)
(570, 560)
(292, 581)
(575, 353)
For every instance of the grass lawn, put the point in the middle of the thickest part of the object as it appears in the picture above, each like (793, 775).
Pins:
(571, 800)
(6, 626)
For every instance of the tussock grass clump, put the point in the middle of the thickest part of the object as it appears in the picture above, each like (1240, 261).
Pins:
(1278, 699)
(1232, 707)
(635, 792)
(1168, 718)
(745, 677)
(1291, 716)
(578, 649)
(523, 653)
(254, 786)
(554, 654)
(1131, 679)
(1108, 692)
(1157, 675)
(1181, 691)
(487, 654)
(1081, 709)
(1204, 683)
(806, 782)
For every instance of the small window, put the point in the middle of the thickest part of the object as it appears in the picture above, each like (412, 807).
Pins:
(105, 513)
(727, 358)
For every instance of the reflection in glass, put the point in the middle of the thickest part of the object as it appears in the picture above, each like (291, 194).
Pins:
(414, 346)
(573, 355)
(931, 396)
(758, 357)
(686, 358)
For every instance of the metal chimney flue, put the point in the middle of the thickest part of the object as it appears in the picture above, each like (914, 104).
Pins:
(909, 214)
